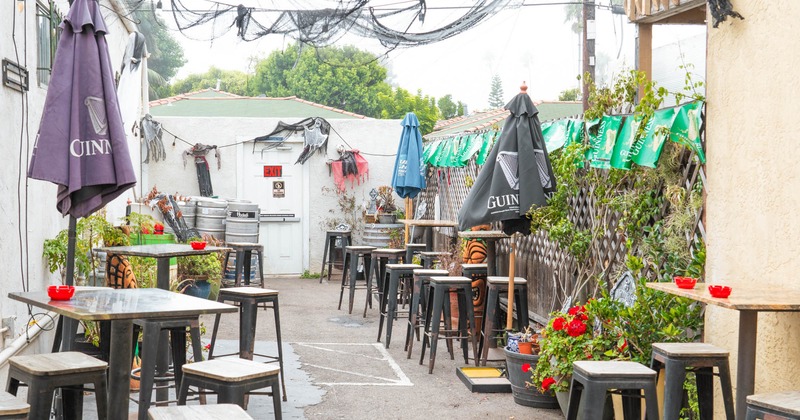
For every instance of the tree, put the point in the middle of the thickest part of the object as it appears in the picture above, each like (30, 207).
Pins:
(341, 77)
(231, 81)
(398, 102)
(496, 93)
(448, 108)
(569, 94)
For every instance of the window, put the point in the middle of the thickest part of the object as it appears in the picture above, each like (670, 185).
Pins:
(47, 21)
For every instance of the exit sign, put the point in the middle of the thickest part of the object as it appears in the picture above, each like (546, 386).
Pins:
(273, 171)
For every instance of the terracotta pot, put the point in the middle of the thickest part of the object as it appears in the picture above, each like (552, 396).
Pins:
(525, 347)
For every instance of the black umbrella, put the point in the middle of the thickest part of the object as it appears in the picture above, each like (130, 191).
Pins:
(81, 144)
(517, 176)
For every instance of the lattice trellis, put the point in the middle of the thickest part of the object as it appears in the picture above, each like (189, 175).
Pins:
(550, 270)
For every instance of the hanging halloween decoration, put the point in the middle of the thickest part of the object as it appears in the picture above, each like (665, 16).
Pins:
(315, 136)
(152, 132)
(199, 152)
(350, 166)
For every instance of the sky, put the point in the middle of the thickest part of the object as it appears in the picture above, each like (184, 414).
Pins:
(531, 44)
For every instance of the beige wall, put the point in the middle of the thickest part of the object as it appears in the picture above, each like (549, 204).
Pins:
(753, 177)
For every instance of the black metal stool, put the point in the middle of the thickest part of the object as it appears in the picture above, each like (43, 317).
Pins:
(701, 358)
(44, 373)
(380, 257)
(416, 313)
(495, 287)
(390, 287)
(412, 249)
(430, 259)
(249, 299)
(350, 272)
(785, 405)
(593, 379)
(155, 364)
(13, 408)
(478, 273)
(244, 252)
(231, 378)
(439, 291)
(210, 411)
(328, 255)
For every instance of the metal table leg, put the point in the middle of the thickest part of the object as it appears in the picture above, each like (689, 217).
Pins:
(119, 369)
(746, 365)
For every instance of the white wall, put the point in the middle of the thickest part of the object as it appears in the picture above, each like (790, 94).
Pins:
(28, 212)
(367, 135)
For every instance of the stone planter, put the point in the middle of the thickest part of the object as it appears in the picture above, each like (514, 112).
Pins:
(523, 395)
(386, 218)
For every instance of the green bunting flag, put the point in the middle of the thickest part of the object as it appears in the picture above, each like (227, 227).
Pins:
(555, 134)
(603, 140)
(469, 147)
(686, 128)
(647, 149)
(430, 152)
(574, 132)
(620, 157)
(488, 142)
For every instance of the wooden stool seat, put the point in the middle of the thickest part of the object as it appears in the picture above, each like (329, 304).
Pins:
(785, 404)
(689, 350)
(12, 407)
(194, 412)
(53, 364)
(232, 378)
(591, 381)
(503, 281)
(360, 248)
(249, 291)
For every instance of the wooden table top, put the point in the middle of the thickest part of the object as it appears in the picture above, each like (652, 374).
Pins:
(110, 304)
(759, 297)
(161, 250)
(428, 223)
(483, 234)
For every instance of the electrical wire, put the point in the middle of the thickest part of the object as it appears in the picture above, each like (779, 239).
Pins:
(22, 235)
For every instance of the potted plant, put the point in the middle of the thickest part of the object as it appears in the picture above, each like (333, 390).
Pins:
(386, 205)
(518, 368)
(199, 275)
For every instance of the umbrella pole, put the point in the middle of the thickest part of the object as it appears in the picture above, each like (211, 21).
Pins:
(408, 212)
(71, 250)
(511, 266)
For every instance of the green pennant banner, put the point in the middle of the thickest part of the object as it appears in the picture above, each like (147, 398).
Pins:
(469, 147)
(620, 158)
(602, 143)
(486, 147)
(429, 153)
(686, 128)
(647, 149)
(555, 134)
(574, 132)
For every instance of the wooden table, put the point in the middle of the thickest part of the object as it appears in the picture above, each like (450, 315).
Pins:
(749, 301)
(162, 253)
(429, 225)
(491, 237)
(121, 307)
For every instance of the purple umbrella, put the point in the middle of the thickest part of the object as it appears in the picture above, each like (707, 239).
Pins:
(81, 144)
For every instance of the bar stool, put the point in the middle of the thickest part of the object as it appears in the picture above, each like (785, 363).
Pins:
(328, 255)
(439, 291)
(249, 299)
(431, 258)
(13, 408)
(416, 313)
(244, 252)
(596, 378)
(231, 378)
(701, 358)
(497, 286)
(390, 286)
(413, 249)
(381, 257)
(43, 373)
(352, 254)
(211, 411)
(155, 365)
(785, 405)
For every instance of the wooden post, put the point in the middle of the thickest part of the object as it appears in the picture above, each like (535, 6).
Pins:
(644, 51)
(409, 216)
(511, 269)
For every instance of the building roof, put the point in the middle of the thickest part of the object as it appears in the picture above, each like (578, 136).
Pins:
(486, 119)
(214, 103)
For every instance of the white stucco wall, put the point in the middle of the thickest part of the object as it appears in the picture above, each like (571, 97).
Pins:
(28, 212)
(371, 137)
(753, 177)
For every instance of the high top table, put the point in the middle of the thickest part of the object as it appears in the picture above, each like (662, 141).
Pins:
(749, 301)
(162, 253)
(121, 307)
(491, 237)
(428, 225)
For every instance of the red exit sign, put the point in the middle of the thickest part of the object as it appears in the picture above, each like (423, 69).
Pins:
(273, 171)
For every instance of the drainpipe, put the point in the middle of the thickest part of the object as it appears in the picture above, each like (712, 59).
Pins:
(23, 340)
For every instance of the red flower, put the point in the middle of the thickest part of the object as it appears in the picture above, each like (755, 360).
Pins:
(547, 383)
(582, 316)
(559, 323)
(624, 345)
(575, 328)
(208, 346)
(574, 310)
(526, 367)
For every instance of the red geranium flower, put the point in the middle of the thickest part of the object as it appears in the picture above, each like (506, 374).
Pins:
(582, 316)
(575, 328)
(558, 323)
(574, 310)
(547, 383)
(526, 367)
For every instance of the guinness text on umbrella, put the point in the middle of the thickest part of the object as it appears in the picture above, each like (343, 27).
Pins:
(80, 148)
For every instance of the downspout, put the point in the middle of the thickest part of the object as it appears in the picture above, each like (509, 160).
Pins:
(24, 339)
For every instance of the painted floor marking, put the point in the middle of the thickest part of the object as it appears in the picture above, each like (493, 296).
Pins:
(401, 380)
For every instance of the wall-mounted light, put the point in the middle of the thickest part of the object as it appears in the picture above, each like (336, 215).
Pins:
(20, 5)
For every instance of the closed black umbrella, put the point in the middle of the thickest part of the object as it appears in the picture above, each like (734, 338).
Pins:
(517, 176)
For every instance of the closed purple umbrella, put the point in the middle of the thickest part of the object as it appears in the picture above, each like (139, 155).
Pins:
(81, 144)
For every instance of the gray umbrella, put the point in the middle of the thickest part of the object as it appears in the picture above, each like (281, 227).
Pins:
(81, 144)
(517, 176)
